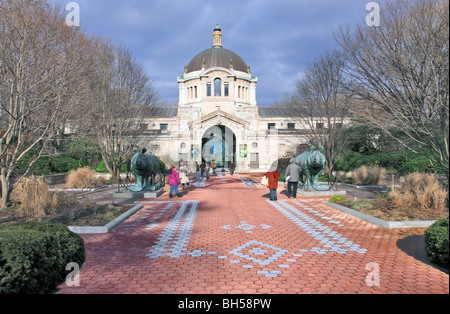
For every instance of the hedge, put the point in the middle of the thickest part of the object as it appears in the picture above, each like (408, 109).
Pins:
(49, 165)
(34, 255)
(401, 161)
(436, 242)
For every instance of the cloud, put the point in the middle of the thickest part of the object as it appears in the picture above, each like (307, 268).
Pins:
(278, 38)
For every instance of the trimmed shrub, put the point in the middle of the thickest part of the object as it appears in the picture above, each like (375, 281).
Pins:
(34, 255)
(436, 242)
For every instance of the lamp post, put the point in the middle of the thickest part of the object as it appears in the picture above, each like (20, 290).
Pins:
(113, 148)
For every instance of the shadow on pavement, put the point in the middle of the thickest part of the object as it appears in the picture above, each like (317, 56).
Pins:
(414, 245)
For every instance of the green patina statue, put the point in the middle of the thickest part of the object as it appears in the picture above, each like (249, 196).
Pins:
(312, 164)
(144, 167)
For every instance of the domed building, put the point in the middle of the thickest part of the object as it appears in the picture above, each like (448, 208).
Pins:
(217, 117)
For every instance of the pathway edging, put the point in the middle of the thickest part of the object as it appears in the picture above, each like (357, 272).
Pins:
(383, 223)
(108, 227)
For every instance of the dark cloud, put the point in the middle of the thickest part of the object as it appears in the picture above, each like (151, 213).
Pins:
(278, 38)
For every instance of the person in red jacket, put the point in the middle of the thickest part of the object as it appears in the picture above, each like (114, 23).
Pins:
(173, 180)
(273, 176)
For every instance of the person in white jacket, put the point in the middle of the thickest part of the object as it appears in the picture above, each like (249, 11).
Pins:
(184, 177)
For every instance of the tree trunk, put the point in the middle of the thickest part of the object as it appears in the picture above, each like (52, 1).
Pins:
(5, 190)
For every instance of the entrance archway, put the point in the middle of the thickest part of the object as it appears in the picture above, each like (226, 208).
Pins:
(219, 144)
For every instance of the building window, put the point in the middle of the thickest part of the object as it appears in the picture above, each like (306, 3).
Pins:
(217, 87)
(143, 126)
(227, 90)
(291, 126)
(271, 126)
(164, 127)
(320, 126)
(208, 89)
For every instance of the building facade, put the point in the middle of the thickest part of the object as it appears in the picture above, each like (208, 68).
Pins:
(217, 117)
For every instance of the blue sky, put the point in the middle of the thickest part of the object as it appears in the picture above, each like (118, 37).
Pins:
(278, 38)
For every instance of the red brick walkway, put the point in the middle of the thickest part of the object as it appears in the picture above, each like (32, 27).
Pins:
(226, 237)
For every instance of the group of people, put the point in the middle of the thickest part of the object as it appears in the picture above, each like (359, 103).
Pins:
(292, 176)
(204, 170)
(174, 179)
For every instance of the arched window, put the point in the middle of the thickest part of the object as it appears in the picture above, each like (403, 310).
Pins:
(217, 87)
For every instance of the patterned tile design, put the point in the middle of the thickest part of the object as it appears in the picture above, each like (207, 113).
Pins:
(247, 182)
(331, 240)
(174, 239)
(246, 227)
(201, 183)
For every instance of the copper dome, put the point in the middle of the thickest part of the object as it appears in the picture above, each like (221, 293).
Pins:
(217, 57)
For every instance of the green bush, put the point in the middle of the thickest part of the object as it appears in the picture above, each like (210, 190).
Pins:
(40, 168)
(64, 164)
(86, 150)
(402, 161)
(418, 164)
(34, 255)
(337, 199)
(362, 204)
(101, 167)
(48, 165)
(436, 242)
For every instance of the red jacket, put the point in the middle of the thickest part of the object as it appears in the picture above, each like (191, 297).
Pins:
(273, 179)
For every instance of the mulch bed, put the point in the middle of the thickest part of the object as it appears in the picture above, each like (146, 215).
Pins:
(384, 209)
(95, 215)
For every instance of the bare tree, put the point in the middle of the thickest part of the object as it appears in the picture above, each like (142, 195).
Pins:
(120, 94)
(321, 104)
(401, 73)
(39, 80)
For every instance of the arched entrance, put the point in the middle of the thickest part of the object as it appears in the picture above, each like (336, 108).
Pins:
(219, 144)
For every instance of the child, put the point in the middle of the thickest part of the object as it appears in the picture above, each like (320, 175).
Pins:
(173, 180)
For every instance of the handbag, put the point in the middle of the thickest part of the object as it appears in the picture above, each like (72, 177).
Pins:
(166, 187)
(265, 181)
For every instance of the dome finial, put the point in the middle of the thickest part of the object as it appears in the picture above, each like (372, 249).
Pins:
(217, 37)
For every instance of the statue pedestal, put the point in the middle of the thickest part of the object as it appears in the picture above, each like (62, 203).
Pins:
(143, 194)
(303, 192)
